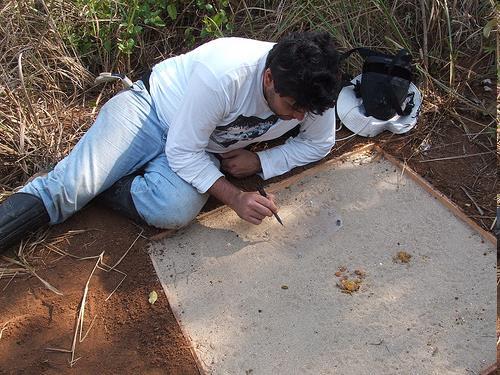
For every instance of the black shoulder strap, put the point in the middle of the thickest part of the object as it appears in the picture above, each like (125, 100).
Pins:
(363, 51)
(402, 55)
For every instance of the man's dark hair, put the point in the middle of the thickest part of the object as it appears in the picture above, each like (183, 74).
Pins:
(305, 67)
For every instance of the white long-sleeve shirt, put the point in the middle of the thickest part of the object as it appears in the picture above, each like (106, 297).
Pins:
(212, 101)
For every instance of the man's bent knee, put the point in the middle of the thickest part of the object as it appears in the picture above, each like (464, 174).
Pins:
(173, 212)
(174, 219)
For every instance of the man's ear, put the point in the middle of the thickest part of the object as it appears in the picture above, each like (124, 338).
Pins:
(268, 78)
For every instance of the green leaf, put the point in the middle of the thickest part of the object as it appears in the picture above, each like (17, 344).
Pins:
(153, 297)
(172, 11)
(188, 35)
(107, 45)
(126, 46)
(157, 21)
(488, 27)
(218, 19)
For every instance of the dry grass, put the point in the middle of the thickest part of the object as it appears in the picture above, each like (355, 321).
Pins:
(23, 266)
(42, 106)
(78, 335)
(34, 251)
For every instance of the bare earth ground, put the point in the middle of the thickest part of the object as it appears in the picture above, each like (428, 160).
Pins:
(129, 334)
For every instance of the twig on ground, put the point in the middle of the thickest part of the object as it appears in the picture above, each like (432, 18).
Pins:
(58, 350)
(26, 257)
(81, 310)
(113, 268)
(12, 278)
(491, 124)
(493, 224)
(9, 271)
(30, 270)
(126, 252)
(119, 284)
(4, 328)
(425, 30)
(473, 201)
(80, 318)
(457, 157)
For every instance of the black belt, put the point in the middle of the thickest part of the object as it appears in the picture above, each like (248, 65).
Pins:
(145, 79)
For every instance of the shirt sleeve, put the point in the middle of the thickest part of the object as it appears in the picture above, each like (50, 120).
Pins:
(205, 104)
(314, 142)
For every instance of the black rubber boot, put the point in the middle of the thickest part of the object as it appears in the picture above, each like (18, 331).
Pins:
(20, 214)
(119, 198)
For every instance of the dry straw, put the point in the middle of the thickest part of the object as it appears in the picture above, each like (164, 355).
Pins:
(78, 335)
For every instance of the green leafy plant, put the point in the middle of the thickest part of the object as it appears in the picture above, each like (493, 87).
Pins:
(115, 28)
(215, 21)
(490, 45)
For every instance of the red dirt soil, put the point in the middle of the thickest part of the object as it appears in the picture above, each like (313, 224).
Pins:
(129, 334)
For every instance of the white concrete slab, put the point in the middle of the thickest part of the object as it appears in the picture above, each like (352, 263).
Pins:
(226, 279)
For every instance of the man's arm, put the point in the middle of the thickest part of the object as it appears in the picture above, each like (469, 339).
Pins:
(250, 206)
(240, 163)
(315, 140)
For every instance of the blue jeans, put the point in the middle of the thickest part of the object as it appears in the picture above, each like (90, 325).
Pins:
(126, 136)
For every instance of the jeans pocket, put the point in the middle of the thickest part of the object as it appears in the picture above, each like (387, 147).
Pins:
(165, 135)
(138, 86)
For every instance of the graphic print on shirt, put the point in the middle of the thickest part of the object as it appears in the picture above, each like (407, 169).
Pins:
(242, 129)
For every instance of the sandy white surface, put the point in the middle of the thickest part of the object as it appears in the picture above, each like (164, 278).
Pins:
(435, 315)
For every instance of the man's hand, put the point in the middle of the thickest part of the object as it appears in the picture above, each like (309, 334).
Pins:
(250, 206)
(240, 163)
(253, 207)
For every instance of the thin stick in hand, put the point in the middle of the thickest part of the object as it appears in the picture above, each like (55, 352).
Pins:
(264, 194)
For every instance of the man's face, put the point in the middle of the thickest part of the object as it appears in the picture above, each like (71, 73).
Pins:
(283, 106)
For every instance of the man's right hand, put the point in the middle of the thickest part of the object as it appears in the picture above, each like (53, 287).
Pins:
(250, 206)
(253, 207)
